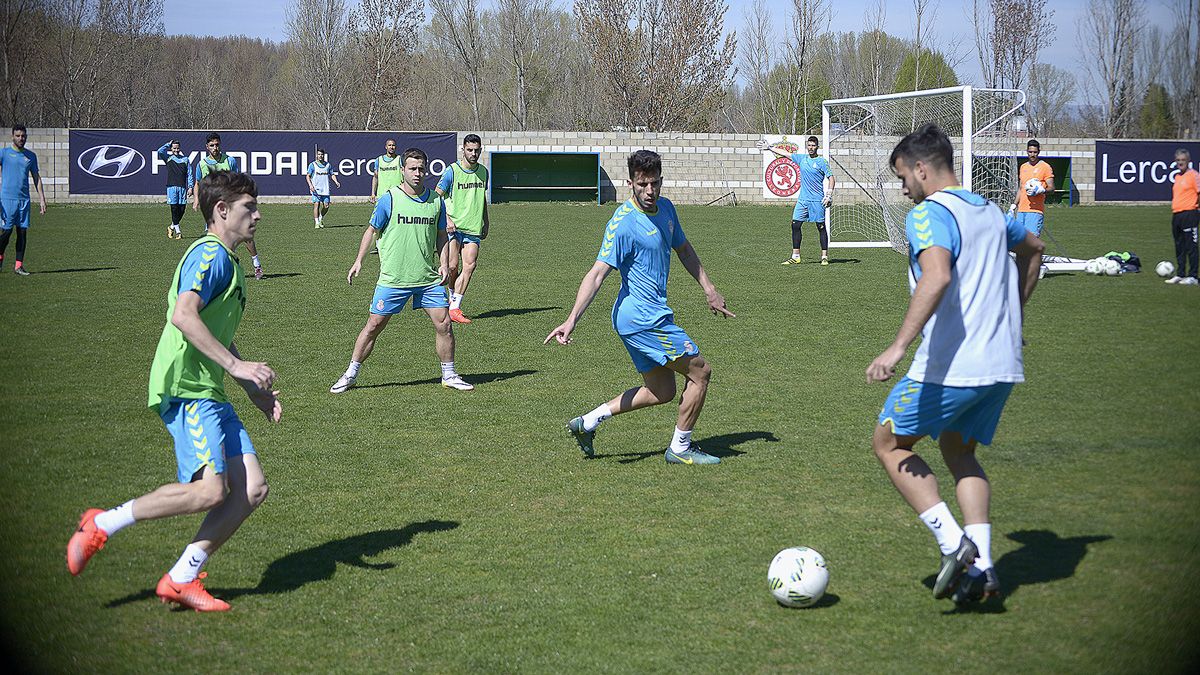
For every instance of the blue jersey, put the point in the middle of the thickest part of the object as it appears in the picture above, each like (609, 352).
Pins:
(177, 168)
(813, 171)
(639, 245)
(207, 271)
(16, 167)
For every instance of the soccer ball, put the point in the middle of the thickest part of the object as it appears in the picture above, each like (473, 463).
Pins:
(798, 577)
(1111, 267)
(1032, 186)
(1165, 269)
(1093, 266)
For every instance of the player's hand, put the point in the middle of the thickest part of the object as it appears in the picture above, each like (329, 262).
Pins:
(450, 227)
(884, 365)
(762, 145)
(562, 334)
(354, 270)
(443, 275)
(42, 210)
(253, 373)
(267, 400)
(483, 234)
(371, 198)
(716, 303)
(827, 201)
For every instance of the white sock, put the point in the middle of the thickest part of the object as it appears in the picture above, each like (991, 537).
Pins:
(448, 370)
(189, 565)
(681, 441)
(175, 226)
(944, 527)
(795, 256)
(981, 534)
(352, 369)
(594, 418)
(256, 262)
(455, 300)
(113, 521)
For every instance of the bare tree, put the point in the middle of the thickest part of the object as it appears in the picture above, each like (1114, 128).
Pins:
(1182, 72)
(19, 24)
(458, 22)
(524, 26)
(138, 25)
(319, 32)
(383, 30)
(757, 57)
(1050, 90)
(81, 48)
(1110, 32)
(1008, 36)
(809, 19)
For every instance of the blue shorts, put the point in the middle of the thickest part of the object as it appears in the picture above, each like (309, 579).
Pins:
(206, 433)
(176, 194)
(658, 346)
(389, 301)
(464, 238)
(14, 213)
(1032, 221)
(320, 199)
(918, 409)
(809, 211)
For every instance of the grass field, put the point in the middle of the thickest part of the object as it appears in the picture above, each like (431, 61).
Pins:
(411, 527)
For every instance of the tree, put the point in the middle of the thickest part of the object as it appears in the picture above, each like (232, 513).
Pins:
(1183, 75)
(383, 30)
(931, 68)
(20, 21)
(1050, 90)
(523, 28)
(319, 32)
(138, 25)
(1156, 120)
(81, 48)
(457, 22)
(1110, 31)
(1008, 37)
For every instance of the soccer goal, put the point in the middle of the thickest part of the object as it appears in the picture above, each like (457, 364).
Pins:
(859, 134)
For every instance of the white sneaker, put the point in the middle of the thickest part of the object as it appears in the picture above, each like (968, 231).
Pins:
(344, 382)
(1190, 281)
(1174, 280)
(456, 382)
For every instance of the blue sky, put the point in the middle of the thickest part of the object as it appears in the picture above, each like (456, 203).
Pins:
(267, 19)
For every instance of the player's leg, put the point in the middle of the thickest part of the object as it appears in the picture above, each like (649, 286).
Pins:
(450, 256)
(21, 223)
(387, 302)
(1191, 245)
(433, 300)
(316, 202)
(326, 201)
(6, 228)
(697, 374)
(470, 256)
(799, 214)
(658, 387)
(816, 212)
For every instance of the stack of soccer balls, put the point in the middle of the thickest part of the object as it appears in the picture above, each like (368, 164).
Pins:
(797, 577)
(1102, 267)
(1165, 269)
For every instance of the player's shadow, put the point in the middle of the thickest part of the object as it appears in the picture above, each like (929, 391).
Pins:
(473, 378)
(72, 270)
(497, 313)
(282, 275)
(333, 227)
(718, 446)
(844, 261)
(1043, 557)
(319, 563)
(827, 600)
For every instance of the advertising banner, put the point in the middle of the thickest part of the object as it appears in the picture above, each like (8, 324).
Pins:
(125, 162)
(1138, 171)
(780, 175)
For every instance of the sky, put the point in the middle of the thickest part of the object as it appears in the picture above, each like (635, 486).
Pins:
(267, 19)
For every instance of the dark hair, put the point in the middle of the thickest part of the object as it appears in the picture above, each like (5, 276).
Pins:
(414, 152)
(223, 186)
(927, 144)
(1033, 144)
(19, 127)
(390, 140)
(321, 150)
(212, 136)
(645, 162)
(472, 138)
(813, 139)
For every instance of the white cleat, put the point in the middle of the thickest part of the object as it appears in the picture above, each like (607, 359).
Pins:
(344, 382)
(1174, 280)
(456, 382)
(1189, 281)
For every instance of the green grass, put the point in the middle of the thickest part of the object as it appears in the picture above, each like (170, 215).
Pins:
(412, 527)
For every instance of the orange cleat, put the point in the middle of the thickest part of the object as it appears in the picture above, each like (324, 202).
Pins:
(85, 542)
(456, 316)
(191, 595)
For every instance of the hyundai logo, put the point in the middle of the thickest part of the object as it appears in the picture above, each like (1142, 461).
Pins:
(111, 161)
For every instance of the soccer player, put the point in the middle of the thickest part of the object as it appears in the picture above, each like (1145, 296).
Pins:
(638, 241)
(816, 193)
(218, 468)
(464, 187)
(388, 172)
(411, 224)
(216, 160)
(967, 303)
(317, 176)
(1031, 208)
(1185, 220)
(17, 166)
(179, 184)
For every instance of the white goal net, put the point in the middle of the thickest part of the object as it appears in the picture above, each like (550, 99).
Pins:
(860, 133)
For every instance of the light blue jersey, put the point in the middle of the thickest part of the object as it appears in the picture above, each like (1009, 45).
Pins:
(813, 171)
(16, 166)
(639, 245)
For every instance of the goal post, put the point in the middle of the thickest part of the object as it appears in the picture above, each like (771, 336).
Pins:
(860, 133)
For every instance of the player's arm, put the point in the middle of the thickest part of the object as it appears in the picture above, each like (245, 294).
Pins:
(764, 145)
(691, 262)
(308, 179)
(935, 264)
(374, 183)
(379, 220)
(583, 297)
(199, 177)
(1028, 249)
(830, 183)
(333, 177)
(486, 222)
(186, 318)
(265, 399)
(37, 184)
(162, 152)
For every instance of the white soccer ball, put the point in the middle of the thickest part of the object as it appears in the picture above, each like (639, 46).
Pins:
(798, 577)
(1111, 267)
(1165, 269)
(1032, 186)
(1093, 266)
